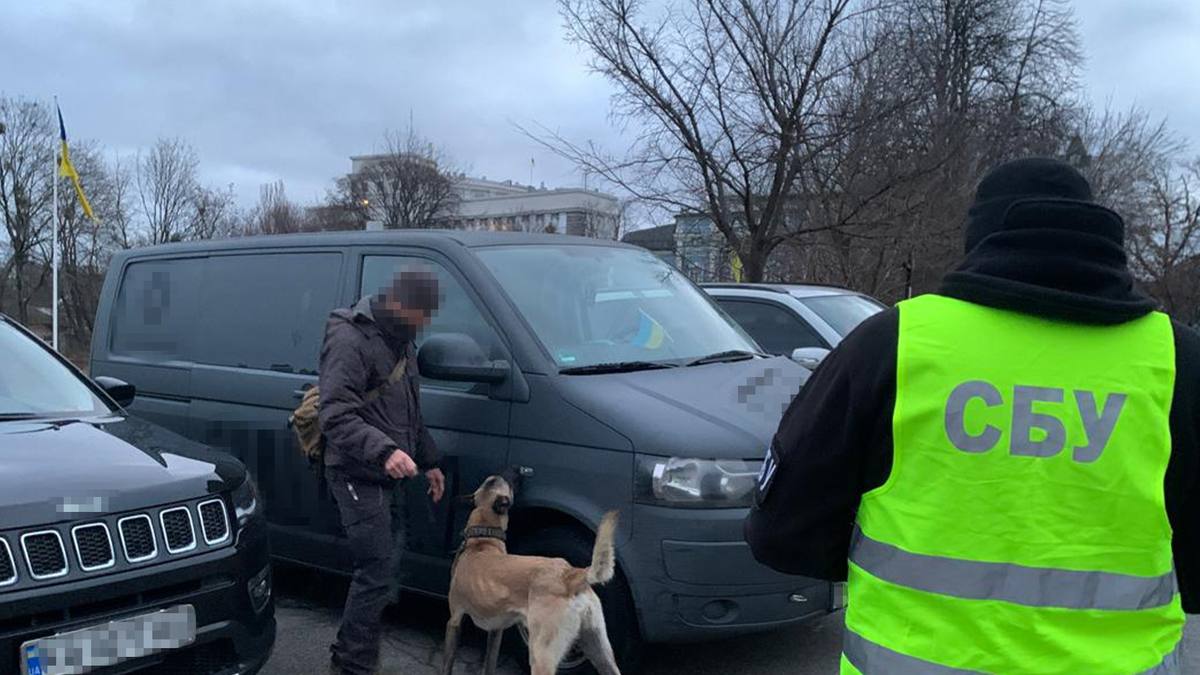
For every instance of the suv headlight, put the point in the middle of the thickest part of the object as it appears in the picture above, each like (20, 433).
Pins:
(684, 482)
(246, 502)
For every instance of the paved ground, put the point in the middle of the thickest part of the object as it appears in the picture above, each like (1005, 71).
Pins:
(309, 606)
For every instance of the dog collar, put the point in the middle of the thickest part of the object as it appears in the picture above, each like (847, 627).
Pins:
(480, 532)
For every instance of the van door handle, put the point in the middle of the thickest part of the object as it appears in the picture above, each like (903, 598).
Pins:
(298, 393)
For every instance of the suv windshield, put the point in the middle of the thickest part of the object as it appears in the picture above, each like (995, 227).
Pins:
(843, 312)
(35, 384)
(593, 305)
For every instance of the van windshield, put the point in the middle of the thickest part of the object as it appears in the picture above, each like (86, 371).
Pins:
(592, 305)
(35, 384)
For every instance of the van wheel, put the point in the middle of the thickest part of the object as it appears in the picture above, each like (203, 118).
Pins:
(575, 546)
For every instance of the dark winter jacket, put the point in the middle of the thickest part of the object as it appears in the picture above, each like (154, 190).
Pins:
(835, 441)
(356, 357)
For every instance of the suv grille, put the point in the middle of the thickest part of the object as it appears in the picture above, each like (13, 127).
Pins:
(93, 546)
(213, 521)
(177, 529)
(44, 553)
(137, 537)
(8, 566)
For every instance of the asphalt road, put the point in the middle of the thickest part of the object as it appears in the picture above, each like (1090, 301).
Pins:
(309, 605)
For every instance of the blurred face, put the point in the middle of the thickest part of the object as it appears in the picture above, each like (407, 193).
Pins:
(414, 319)
(409, 301)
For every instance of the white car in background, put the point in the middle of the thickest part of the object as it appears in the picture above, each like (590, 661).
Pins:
(803, 321)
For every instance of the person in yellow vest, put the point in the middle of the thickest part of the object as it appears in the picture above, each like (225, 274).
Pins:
(1004, 471)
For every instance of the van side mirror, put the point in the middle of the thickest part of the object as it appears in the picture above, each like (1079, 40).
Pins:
(810, 357)
(456, 357)
(118, 390)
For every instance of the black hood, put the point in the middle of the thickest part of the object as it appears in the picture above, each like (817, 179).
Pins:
(64, 470)
(715, 411)
(1038, 244)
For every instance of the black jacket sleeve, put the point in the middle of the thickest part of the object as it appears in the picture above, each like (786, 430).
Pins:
(1183, 473)
(343, 381)
(834, 444)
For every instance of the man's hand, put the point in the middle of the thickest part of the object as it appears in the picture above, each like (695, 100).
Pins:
(437, 484)
(400, 465)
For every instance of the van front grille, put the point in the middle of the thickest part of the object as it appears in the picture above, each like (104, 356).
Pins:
(8, 566)
(177, 529)
(213, 521)
(137, 537)
(93, 546)
(100, 544)
(44, 553)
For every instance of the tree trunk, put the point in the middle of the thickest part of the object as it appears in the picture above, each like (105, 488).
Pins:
(754, 264)
(22, 301)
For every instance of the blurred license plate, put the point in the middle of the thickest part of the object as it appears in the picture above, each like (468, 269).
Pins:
(84, 650)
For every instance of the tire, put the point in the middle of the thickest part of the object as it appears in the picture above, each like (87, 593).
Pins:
(575, 546)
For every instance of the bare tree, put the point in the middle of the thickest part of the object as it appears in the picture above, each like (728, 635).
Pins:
(729, 101)
(953, 87)
(166, 185)
(408, 185)
(26, 168)
(1164, 241)
(119, 220)
(332, 216)
(213, 213)
(275, 213)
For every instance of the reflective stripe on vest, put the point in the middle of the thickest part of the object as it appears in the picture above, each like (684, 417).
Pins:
(1033, 586)
(1023, 526)
(868, 658)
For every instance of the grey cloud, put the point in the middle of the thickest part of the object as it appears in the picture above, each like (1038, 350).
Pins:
(289, 89)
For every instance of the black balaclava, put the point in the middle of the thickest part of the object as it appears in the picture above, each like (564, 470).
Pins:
(1039, 244)
(1009, 197)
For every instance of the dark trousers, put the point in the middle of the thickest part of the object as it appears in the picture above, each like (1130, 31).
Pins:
(366, 513)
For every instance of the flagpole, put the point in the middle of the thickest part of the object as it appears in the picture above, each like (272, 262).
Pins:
(54, 251)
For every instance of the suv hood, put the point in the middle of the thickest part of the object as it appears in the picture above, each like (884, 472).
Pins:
(63, 470)
(714, 411)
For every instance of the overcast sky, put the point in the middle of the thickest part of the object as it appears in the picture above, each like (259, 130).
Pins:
(289, 89)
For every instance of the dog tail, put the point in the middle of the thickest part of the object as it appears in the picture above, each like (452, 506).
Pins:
(604, 559)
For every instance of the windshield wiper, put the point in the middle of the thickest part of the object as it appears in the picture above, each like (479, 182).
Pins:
(719, 357)
(8, 417)
(615, 367)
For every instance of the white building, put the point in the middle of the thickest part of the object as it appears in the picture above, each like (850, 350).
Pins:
(504, 205)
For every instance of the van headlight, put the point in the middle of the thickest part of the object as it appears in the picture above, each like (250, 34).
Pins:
(684, 482)
(246, 502)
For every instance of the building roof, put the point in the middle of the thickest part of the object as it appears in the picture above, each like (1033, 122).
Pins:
(661, 238)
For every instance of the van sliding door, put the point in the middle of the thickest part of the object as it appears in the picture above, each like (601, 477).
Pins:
(262, 318)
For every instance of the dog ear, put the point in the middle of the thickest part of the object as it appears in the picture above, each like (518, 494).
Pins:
(501, 505)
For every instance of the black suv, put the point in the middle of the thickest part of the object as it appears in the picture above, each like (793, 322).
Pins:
(123, 547)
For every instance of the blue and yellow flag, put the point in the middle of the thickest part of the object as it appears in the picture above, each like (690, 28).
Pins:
(67, 170)
(651, 333)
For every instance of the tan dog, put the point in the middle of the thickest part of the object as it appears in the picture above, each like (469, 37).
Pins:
(554, 600)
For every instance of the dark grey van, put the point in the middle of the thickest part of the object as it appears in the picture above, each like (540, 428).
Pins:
(604, 374)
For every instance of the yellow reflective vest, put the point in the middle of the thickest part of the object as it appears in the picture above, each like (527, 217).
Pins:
(1023, 528)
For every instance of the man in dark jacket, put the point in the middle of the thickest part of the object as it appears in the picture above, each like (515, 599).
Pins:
(1038, 248)
(372, 442)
